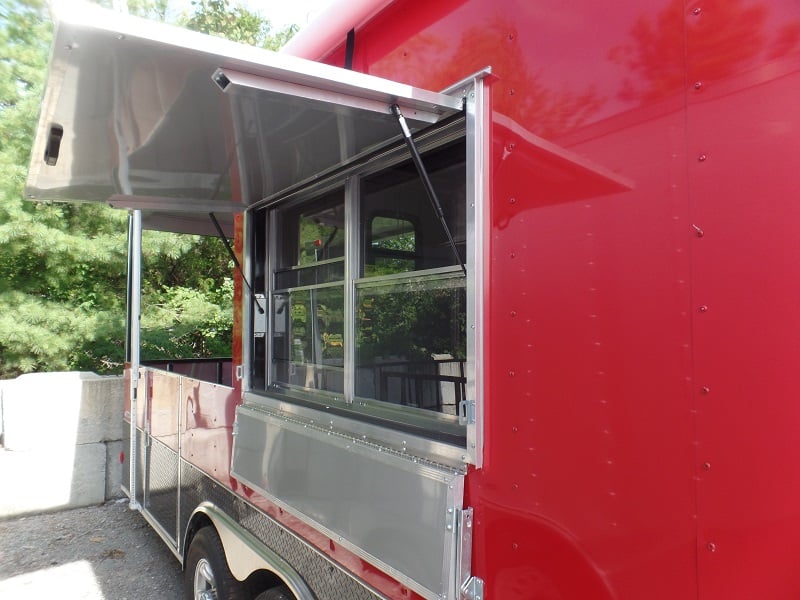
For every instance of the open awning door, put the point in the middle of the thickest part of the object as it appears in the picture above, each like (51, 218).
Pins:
(177, 124)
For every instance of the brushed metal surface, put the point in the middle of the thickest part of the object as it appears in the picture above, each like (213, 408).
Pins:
(127, 95)
(393, 510)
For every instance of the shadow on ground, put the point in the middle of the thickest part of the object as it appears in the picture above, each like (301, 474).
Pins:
(106, 552)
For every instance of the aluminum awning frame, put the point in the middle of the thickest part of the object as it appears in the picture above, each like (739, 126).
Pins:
(146, 116)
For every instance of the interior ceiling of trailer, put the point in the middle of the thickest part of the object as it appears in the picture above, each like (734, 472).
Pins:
(132, 116)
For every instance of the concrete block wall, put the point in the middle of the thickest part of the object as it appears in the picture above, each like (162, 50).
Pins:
(62, 435)
(3, 383)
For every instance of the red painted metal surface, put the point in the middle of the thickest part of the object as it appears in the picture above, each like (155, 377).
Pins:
(162, 407)
(745, 121)
(641, 327)
(641, 414)
(207, 427)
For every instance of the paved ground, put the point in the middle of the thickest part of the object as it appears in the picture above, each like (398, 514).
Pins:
(106, 552)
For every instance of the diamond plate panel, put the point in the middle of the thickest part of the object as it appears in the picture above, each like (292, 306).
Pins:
(326, 579)
(161, 496)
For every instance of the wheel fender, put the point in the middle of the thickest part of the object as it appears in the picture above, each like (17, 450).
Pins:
(246, 554)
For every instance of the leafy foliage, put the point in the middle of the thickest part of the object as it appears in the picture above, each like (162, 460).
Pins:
(433, 313)
(236, 23)
(156, 10)
(188, 322)
(63, 266)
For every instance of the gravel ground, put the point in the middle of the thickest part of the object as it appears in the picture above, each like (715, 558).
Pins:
(107, 552)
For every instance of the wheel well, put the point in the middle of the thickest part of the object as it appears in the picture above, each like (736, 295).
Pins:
(257, 582)
(261, 581)
(199, 520)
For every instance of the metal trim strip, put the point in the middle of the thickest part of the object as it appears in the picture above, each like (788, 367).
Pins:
(447, 455)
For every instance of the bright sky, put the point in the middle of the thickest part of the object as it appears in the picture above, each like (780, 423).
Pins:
(285, 12)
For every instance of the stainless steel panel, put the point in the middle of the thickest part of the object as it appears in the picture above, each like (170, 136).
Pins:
(395, 511)
(137, 112)
(448, 455)
(327, 579)
(161, 488)
(159, 450)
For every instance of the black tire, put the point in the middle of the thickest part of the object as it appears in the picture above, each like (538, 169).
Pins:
(277, 593)
(207, 570)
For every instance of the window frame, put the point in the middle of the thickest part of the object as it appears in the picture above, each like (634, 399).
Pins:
(383, 422)
(432, 424)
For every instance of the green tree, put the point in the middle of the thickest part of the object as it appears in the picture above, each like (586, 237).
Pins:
(56, 261)
(236, 23)
(62, 266)
(187, 297)
(187, 286)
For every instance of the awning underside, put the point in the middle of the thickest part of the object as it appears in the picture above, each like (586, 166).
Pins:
(142, 115)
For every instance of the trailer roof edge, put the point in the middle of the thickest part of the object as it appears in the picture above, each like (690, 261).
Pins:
(329, 30)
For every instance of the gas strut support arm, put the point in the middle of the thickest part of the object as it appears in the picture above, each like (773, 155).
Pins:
(426, 183)
(232, 254)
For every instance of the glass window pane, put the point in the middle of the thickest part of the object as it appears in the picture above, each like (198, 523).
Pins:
(326, 272)
(321, 234)
(411, 342)
(401, 229)
(308, 338)
(392, 246)
(310, 233)
(393, 234)
(405, 291)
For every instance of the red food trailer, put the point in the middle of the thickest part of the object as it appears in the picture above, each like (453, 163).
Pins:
(517, 315)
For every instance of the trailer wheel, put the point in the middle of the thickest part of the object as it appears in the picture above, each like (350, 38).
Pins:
(206, 575)
(277, 593)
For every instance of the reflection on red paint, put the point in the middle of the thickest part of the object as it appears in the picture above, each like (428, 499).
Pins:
(593, 484)
(641, 287)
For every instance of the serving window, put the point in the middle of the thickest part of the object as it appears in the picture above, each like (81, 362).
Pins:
(410, 296)
(307, 307)
(367, 294)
